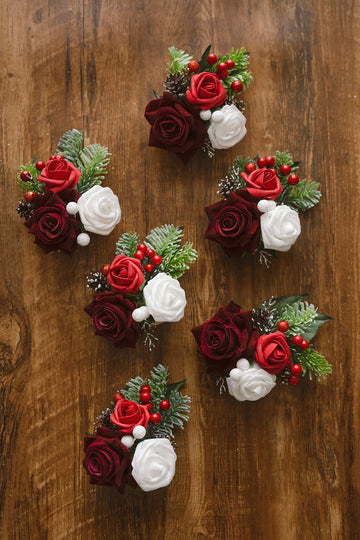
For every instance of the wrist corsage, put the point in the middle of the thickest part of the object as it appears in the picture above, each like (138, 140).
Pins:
(131, 445)
(140, 288)
(199, 107)
(63, 198)
(260, 209)
(255, 350)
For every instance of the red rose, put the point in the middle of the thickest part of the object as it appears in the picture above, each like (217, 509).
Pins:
(206, 91)
(53, 227)
(226, 338)
(107, 460)
(234, 223)
(128, 414)
(111, 316)
(125, 274)
(263, 184)
(175, 126)
(59, 174)
(272, 352)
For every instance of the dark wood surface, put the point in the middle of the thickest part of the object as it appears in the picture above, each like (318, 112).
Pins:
(286, 467)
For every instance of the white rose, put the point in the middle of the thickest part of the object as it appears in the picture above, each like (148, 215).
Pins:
(154, 464)
(227, 128)
(280, 228)
(99, 210)
(249, 383)
(164, 298)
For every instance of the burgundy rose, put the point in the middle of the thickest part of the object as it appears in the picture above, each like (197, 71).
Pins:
(263, 184)
(107, 461)
(59, 174)
(128, 414)
(112, 319)
(226, 338)
(175, 126)
(272, 352)
(235, 223)
(53, 227)
(125, 274)
(206, 91)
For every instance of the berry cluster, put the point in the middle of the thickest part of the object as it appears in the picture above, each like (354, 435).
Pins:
(223, 69)
(143, 252)
(296, 369)
(269, 162)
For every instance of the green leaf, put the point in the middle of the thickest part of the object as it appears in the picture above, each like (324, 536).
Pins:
(178, 60)
(312, 330)
(93, 162)
(282, 301)
(70, 146)
(313, 363)
(203, 65)
(156, 94)
(127, 244)
(175, 386)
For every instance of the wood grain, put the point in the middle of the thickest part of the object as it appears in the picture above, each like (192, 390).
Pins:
(286, 467)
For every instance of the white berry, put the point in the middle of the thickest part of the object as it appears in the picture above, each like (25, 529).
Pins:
(72, 208)
(127, 441)
(83, 239)
(139, 432)
(235, 373)
(205, 115)
(243, 364)
(140, 314)
(266, 206)
(217, 117)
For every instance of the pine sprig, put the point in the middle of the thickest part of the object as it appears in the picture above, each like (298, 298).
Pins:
(32, 184)
(93, 162)
(312, 362)
(127, 244)
(175, 416)
(158, 384)
(300, 316)
(178, 60)
(70, 146)
(176, 264)
(239, 72)
(132, 389)
(303, 196)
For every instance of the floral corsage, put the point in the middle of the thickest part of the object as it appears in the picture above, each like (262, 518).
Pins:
(132, 440)
(63, 199)
(140, 288)
(261, 205)
(255, 350)
(199, 107)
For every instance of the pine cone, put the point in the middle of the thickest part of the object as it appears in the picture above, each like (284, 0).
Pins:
(25, 209)
(283, 376)
(263, 319)
(97, 282)
(232, 100)
(225, 186)
(177, 83)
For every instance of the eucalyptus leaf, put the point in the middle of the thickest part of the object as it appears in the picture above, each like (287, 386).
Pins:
(312, 330)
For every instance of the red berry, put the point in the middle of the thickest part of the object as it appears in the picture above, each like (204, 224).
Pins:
(150, 253)
(222, 66)
(297, 340)
(29, 196)
(25, 176)
(261, 162)
(142, 247)
(274, 171)
(39, 165)
(164, 405)
(236, 86)
(149, 406)
(270, 160)
(145, 388)
(155, 418)
(285, 170)
(52, 157)
(139, 255)
(149, 268)
(145, 397)
(211, 59)
(223, 74)
(105, 269)
(156, 260)
(59, 156)
(250, 167)
(293, 380)
(283, 326)
(117, 397)
(304, 345)
(296, 369)
(193, 66)
(293, 179)
(230, 63)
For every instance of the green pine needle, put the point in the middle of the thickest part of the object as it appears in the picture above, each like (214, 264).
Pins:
(127, 244)
(312, 363)
(93, 162)
(303, 196)
(239, 72)
(299, 315)
(70, 146)
(178, 60)
(30, 185)
(132, 390)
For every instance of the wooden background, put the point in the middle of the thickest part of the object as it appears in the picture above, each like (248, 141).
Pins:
(285, 467)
